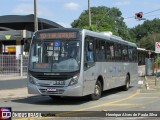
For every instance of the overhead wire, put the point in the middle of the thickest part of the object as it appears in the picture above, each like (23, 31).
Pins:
(151, 15)
(143, 14)
(152, 11)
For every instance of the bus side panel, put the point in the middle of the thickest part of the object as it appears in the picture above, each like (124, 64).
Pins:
(113, 74)
(133, 73)
(102, 69)
(89, 81)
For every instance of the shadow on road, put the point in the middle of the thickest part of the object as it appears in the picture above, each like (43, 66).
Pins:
(113, 91)
(45, 100)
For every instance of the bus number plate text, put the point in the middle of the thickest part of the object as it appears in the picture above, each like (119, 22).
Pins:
(51, 89)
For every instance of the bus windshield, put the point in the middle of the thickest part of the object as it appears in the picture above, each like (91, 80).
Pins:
(55, 56)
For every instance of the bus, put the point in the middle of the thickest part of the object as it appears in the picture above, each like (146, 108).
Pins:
(79, 62)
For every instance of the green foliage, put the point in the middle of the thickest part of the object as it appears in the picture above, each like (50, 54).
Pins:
(103, 19)
(146, 34)
(148, 41)
(92, 28)
(157, 59)
(110, 19)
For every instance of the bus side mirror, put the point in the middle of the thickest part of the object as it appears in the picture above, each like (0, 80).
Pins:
(26, 46)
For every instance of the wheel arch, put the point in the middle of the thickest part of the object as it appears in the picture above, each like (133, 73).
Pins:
(100, 78)
(129, 77)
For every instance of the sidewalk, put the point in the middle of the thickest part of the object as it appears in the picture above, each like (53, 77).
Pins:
(14, 93)
(151, 83)
(13, 87)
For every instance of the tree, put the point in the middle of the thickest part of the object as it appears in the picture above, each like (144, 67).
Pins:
(103, 19)
(148, 41)
(146, 34)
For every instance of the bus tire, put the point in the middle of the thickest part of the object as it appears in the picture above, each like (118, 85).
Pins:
(97, 91)
(127, 83)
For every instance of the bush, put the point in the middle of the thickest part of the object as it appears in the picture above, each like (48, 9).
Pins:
(157, 59)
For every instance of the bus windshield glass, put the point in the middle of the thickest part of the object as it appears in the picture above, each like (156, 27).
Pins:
(55, 56)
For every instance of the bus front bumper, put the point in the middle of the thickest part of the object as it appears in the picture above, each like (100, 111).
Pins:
(75, 90)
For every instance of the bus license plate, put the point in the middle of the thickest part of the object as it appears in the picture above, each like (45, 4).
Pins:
(51, 89)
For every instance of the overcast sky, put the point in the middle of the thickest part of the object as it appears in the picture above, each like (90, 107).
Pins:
(65, 12)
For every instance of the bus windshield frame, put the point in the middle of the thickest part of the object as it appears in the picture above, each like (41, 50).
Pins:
(55, 55)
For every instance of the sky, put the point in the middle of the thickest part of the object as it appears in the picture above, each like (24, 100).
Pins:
(65, 12)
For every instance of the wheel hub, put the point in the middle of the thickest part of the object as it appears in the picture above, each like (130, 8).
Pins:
(97, 90)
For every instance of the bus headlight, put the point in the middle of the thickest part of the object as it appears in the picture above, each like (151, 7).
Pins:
(74, 80)
(31, 79)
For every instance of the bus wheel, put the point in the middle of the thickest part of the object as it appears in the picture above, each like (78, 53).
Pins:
(127, 83)
(97, 91)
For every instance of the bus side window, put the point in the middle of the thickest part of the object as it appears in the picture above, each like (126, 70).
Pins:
(135, 54)
(125, 53)
(89, 53)
(130, 53)
(110, 51)
(100, 50)
(118, 52)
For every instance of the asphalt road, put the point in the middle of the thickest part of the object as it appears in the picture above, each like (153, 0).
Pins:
(135, 99)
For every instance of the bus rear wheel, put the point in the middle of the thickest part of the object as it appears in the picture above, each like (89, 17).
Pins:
(97, 91)
(127, 83)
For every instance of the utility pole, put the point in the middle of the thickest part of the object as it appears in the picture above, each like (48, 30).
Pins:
(89, 13)
(35, 16)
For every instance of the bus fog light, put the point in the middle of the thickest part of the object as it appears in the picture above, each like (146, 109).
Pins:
(74, 80)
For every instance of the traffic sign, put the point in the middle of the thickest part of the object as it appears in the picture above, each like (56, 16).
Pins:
(139, 15)
(157, 47)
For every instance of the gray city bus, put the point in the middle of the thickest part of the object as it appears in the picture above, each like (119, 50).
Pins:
(79, 62)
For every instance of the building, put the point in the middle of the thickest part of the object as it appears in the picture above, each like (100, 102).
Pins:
(143, 53)
(15, 30)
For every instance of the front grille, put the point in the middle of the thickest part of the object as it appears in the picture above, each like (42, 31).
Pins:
(43, 84)
(44, 91)
(48, 85)
(52, 77)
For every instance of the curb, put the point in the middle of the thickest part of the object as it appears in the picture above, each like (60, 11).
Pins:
(15, 97)
(149, 83)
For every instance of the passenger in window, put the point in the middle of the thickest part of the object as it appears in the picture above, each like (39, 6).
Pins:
(63, 56)
(74, 53)
(112, 52)
(71, 52)
(90, 52)
(90, 56)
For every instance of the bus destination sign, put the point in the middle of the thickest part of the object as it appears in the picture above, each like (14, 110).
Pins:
(58, 35)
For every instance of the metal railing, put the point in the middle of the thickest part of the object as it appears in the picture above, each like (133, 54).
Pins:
(10, 65)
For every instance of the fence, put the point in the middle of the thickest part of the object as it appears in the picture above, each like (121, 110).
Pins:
(10, 65)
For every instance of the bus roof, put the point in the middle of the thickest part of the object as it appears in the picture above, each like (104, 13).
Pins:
(109, 37)
(60, 29)
(92, 33)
